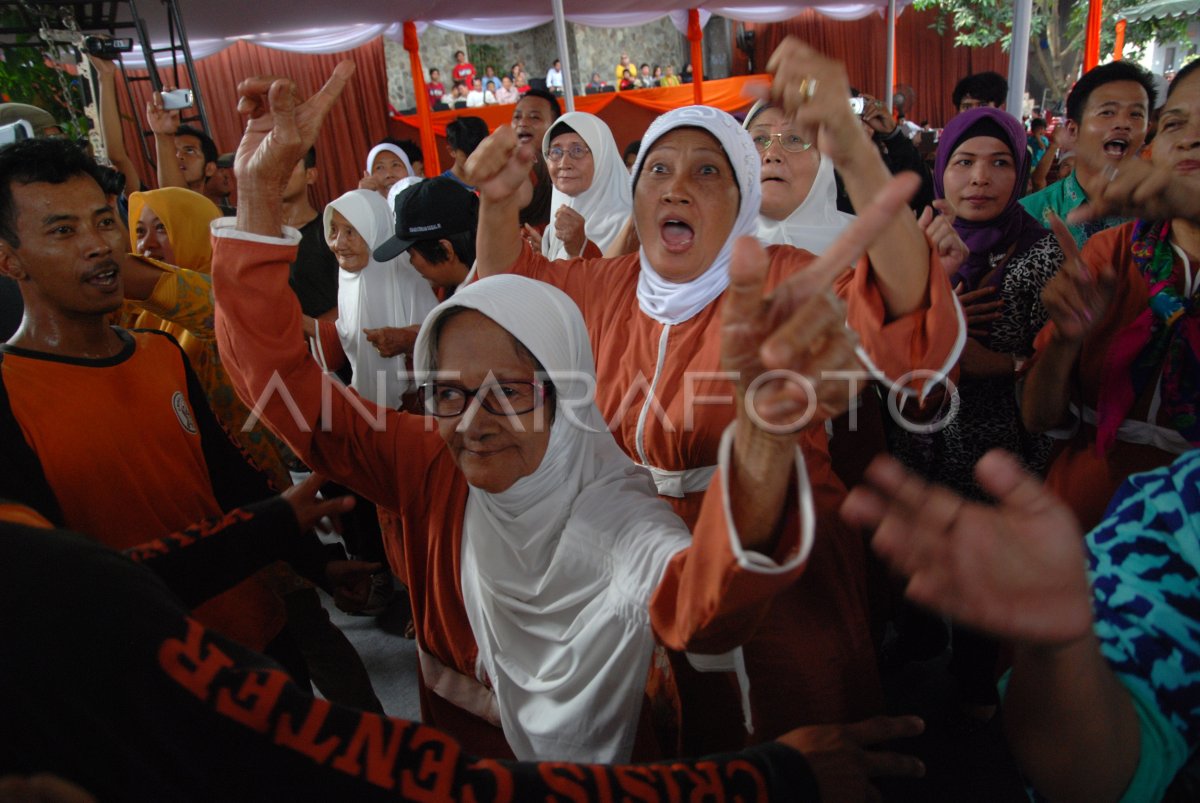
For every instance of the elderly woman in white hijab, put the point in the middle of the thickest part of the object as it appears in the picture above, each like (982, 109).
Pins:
(591, 199)
(376, 300)
(386, 164)
(799, 192)
(655, 327)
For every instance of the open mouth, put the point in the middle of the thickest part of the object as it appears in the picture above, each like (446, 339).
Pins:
(677, 235)
(105, 279)
(1116, 148)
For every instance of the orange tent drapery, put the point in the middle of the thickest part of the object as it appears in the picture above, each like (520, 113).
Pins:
(1091, 42)
(428, 142)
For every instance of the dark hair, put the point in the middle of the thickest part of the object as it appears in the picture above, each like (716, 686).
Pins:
(310, 158)
(633, 148)
(411, 149)
(465, 134)
(1097, 77)
(433, 70)
(35, 161)
(458, 53)
(1187, 70)
(555, 109)
(644, 66)
(207, 146)
(462, 244)
(986, 87)
(558, 129)
(1036, 123)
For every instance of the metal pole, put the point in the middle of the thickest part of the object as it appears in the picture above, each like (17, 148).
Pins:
(560, 34)
(1018, 56)
(890, 69)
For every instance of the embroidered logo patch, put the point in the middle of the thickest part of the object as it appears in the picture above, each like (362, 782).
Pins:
(184, 413)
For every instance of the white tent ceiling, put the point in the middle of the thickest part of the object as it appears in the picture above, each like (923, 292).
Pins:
(320, 26)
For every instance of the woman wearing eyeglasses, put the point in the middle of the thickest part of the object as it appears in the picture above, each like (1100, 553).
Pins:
(591, 187)
(799, 193)
(655, 321)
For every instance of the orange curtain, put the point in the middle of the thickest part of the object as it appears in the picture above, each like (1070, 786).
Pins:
(355, 124)
(925, 60)
(1091, 41)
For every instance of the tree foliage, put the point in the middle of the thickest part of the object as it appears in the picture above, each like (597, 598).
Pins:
(1057, 32)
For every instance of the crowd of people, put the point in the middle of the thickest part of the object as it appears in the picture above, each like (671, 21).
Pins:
(678, 451)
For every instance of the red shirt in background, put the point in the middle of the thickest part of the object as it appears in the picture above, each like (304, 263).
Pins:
(436, 90)
(464, 72)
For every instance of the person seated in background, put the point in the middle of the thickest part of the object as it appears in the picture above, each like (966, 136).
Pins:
(1108, 112)
(458, 96)
(596, 84)
(627, 81)
(507, 93)
(479, 97)
(644, 78)
(1100, 704)
(686, 75)
(670, 78)
(980, 89)
(554, 77)
(521, 82)
(623, 65)
(435, 87)
(490, 81)
(435, 227)
(463, 135)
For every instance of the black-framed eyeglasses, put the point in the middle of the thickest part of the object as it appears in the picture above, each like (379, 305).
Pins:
(446, 400)
(789, 141)
(576, 152)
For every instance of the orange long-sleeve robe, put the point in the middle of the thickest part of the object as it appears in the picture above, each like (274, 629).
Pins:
(812, 661)
(704, 602)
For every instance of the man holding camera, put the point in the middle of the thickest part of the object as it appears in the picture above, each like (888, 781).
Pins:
(187, 157)
(898, 151)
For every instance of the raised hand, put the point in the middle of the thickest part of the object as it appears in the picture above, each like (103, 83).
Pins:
(499, 167)
(1137, 188)
(161, 121)
(533, 237)
(815, 92)
(1015, 570)
(1075, 298)
(393, 341)
(839, 757)
(282, 126)
(980, 308)
(569, 226)
(942, 238)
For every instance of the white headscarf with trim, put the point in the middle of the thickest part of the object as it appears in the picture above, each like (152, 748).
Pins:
(381, 294)
(390, 148)
(670, 302)
(607, 203)
(558, 571)
(816, 222)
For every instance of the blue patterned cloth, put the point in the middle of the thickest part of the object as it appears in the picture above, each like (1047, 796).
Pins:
(1145, 565)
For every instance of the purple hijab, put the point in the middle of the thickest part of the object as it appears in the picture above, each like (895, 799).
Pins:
(990, 239)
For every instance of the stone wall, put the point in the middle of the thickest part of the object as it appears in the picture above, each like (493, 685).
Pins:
(592, 50)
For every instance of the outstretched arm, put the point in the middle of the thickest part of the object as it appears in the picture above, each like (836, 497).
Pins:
(110, 121)
(499, 169)
(899, 256)
(1015, 570)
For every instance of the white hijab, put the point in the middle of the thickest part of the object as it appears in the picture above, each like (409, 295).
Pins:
(558, 571)
(389, 147)
(381, 294)
(666, 301)
(607, 203)
(815, 223)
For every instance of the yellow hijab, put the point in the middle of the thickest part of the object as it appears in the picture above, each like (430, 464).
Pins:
(187, 217)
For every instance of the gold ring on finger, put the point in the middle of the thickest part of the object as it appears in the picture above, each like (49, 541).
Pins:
(807, 88)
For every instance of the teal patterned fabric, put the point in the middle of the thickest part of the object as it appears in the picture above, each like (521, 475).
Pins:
(1145, 565)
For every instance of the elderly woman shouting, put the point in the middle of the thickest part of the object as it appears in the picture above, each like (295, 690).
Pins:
(655, 322)
(541, 565)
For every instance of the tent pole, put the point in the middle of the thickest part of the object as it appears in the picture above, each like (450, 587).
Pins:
(696, 37)
(560, 34)
(1091, 42)
(890, 70)
(429, 150)
(1018, 56)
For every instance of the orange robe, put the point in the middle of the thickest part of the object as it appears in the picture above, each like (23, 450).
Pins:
(812, 661)
(1078, 473)
(705, 601)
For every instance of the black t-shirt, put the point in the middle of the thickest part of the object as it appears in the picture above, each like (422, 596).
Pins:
(314, 274)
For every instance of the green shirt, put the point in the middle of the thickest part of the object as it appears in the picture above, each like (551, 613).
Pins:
(1062, 197)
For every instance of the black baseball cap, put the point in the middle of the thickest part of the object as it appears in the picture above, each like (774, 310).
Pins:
(430, 210)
